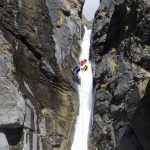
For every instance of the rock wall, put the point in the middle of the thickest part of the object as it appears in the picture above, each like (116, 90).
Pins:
(120, 51)
(39, 44)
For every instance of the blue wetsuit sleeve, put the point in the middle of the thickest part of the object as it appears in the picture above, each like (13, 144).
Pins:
(78, 69)
(75, 67)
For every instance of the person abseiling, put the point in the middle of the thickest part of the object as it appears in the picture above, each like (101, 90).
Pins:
(83, 64)
(75, 71)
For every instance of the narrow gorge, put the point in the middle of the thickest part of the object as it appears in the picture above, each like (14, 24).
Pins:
(40, 43)
(83, 123)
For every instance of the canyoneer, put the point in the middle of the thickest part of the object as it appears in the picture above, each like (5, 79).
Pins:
(75, 71)
(83, 64)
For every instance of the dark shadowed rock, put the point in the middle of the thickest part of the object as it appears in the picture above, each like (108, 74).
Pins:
(120, 50)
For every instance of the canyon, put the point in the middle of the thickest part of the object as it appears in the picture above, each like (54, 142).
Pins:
(40, 42)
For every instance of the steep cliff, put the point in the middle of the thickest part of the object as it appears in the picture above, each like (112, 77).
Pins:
(39, 44)
(120, 50)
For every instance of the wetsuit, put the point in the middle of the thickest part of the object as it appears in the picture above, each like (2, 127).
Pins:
(75, 72)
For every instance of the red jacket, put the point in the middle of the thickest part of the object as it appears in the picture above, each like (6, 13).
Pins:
(82, 62)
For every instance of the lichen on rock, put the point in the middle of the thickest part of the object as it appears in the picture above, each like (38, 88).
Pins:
(120, 50)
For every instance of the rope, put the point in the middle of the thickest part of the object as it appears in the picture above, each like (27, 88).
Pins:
(82, 92)
(81, 98)
(82, 115)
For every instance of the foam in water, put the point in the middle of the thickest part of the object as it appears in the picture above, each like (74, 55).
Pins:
(85, 94)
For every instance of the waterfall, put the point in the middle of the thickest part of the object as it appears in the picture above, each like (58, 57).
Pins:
(80, 141)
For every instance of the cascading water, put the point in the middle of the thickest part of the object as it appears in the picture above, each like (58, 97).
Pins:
(85, 95)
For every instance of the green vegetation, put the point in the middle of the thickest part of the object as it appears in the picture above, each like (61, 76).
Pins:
(102, 14)
(113, 50)
(113, 64)
(5, 51)
(142, 85)
(126, 28)
(60, 21)
(104, 86)
(147, 47)
(86, 22)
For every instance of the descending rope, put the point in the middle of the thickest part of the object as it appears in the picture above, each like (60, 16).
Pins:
(81, 88)
(82, 94)
(80, 139)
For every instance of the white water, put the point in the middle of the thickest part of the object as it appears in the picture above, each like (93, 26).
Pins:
(85, 94)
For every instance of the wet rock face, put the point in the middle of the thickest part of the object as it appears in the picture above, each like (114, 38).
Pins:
(120, 50)
(12, 104)
(39, 44)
